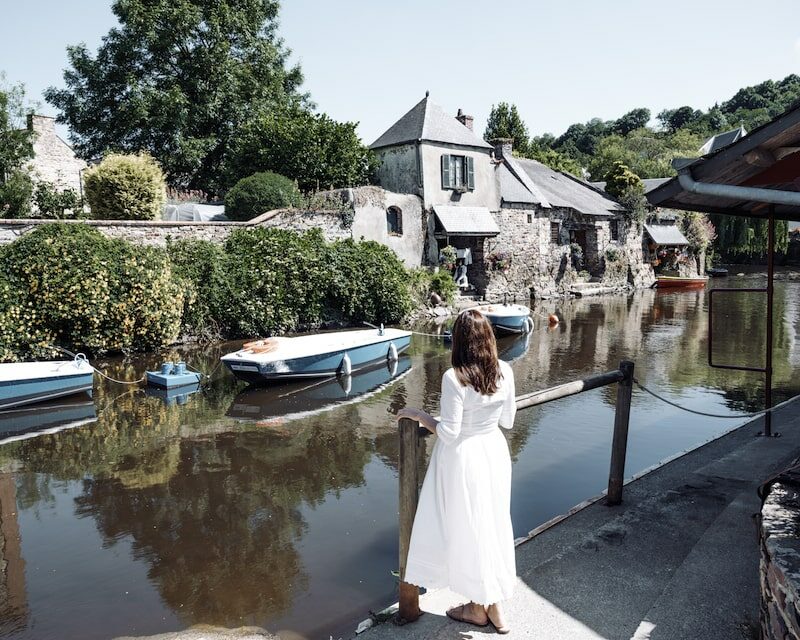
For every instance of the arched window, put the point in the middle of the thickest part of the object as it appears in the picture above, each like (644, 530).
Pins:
(394, 221)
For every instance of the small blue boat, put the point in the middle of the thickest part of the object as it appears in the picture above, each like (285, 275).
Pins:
(24, 383)
(285, 402)
(508, 318)
(319, 355)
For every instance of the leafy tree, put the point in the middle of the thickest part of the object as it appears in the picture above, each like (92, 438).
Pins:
(635, 119)
(556, 160)
(312, 149)
(620, 180)
(16, 148)
(674, 119)
(53, 203)
(505, 122)
(178, 79)
(739, 238)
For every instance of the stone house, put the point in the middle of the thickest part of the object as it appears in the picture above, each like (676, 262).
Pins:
(53, 161)
(544, 228)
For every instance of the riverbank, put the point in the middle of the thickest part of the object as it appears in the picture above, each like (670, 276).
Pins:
(678, 559)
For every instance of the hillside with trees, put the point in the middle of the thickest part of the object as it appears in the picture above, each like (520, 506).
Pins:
(647, 146)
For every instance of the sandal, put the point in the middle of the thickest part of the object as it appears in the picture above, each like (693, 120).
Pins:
(501, 630)
(457, 614)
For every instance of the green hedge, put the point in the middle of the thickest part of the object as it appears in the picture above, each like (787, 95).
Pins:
(267, 281)
(69, 285)
(72, 286)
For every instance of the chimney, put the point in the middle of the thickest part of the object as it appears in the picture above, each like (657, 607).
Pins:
(39, 123)
(464, 119)
(502, 147)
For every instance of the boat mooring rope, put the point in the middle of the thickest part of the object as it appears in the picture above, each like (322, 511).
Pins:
(78, 357)
(710, 415)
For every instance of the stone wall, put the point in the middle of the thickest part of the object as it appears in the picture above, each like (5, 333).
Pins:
(53, 159)
(366, 220)
(780, 559)
(541, 268)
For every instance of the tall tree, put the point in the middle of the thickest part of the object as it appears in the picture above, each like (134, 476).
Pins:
(311, 148)
(634, 119)
(505, 122)
(178, 78)
(16, 148)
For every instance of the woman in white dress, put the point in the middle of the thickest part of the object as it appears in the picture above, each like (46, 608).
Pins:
(462, 537)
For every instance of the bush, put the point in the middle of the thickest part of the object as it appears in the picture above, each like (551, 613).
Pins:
(70, 285)
(367, 282)
(259, 193)
(425, 282)
(52, 203)
(125, 187)
(200, 264)
(15, 195)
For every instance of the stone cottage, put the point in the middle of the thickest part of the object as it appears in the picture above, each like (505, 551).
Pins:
(522, 228)
(53, 161)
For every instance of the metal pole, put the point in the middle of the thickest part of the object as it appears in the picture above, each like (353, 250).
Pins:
(770, 299)
(619, 444)
(408, 610)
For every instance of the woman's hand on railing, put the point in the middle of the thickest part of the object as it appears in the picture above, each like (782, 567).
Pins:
(425, 419)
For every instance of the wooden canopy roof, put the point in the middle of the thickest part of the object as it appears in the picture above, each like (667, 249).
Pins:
(767, 158)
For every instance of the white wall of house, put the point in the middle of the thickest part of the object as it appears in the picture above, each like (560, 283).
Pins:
(399, 169)
(54, 161)
(483, 195)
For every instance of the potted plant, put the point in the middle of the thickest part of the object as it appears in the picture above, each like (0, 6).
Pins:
(498, 261)
(447, 257)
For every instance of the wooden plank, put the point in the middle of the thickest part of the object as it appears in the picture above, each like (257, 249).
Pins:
(409, 472)
(568, 389)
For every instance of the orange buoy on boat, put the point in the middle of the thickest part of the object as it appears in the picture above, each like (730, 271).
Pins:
(261, 346)
(552, 319)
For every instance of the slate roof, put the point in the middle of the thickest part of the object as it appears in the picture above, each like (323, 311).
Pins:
(466, 221)
(666, 234)
(563, 190)
(721, 140)
(649, 184)
(428, 121)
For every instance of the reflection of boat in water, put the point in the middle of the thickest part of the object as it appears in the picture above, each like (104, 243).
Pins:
(46, 417)
(295, 399)
(178, 395)
(510, 349)
(319, 355)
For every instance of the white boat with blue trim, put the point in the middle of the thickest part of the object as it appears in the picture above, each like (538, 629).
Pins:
(508, 318)
(24, 383)
(318, 355)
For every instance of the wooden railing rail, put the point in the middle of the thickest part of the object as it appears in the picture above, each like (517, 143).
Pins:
(412, 461)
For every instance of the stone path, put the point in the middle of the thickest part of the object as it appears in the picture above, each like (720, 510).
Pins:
(678, 559)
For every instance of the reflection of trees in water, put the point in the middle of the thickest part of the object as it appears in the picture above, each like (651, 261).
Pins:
(220, 533)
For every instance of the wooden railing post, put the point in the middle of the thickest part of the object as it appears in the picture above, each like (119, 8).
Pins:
(409, 495)
(619, 444)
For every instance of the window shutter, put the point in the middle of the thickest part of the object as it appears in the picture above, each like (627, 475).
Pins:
(470, 173)
(445, 172)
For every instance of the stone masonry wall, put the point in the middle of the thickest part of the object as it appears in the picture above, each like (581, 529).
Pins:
(541, 268)
(779, 537)
(53, 159)
(368, 221)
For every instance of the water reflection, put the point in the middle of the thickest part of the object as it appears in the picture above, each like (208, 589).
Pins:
(157, 516)
(291, 401)
(28, 421)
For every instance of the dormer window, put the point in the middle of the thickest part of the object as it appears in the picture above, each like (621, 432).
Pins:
(458, 172)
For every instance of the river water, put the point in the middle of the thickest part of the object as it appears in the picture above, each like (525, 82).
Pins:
(276, 508)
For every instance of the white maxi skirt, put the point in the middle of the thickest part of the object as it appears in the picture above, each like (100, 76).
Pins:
(462, 537)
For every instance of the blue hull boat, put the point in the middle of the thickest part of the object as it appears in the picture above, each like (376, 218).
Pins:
(285, 402)
(47, 417)
(508, 318)
(24, 383)
(319, 355)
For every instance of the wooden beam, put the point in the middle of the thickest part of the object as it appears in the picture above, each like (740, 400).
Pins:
(759, 157)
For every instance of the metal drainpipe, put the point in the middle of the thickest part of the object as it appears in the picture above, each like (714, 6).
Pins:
(734, 192)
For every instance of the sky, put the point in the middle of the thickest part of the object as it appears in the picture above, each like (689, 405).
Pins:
(560, 62)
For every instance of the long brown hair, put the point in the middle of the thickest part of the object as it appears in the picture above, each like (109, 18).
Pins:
(474, 356)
